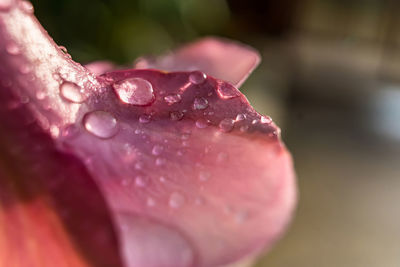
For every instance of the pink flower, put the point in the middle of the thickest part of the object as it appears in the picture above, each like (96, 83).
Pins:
(139, 167)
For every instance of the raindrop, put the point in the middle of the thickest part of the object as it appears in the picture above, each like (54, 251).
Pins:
(26, 6)
(172, 99)
(197, 77)
(135, 91)
(176, 115)
(157, 150)
(227, 91)
(204, 176)
(72, 92)
(265, 119)
(101, 124)
(226, 125)
(201, 123)
(176, 200)
(144, 118)
(240, 117)
(200, 103)
(13, 49)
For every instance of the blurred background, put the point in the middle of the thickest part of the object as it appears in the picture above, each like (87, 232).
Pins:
(330, 77)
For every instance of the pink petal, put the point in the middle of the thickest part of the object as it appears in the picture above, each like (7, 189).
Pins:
(100, 67)
(224, 59)
(215, 179)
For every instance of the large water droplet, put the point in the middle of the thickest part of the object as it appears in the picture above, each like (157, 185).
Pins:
(226, 125)
(200, 103)
(101, 124)
(227, 91)
(148, 243)
(172, 99)
(197, 77)
(176, 200)
(72, 92)
(135, 91)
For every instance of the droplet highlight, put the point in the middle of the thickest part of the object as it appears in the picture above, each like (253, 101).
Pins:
(200, 103)
(172, 99)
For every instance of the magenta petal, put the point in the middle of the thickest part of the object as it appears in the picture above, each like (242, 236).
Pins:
(226, 60)
(197, 163)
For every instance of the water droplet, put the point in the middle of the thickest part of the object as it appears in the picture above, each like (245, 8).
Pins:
(63, 49)
(204, 176)
(13, 49)
(26, 6)
(160, 161)
(176, 115)
(135, 91)
(24, 99)
(222, 157)
(126, 182)
(162, 179)
(255, 121)
(144, 118)
(197, 77)
(176, 200)
(54, 131)
(25, 69)
(139, 165)
(244, 128)
(227, 91)
(5, 5)
(157, 150)
(101, 124)
(265, 119)
(40, 95)
(201, 123)
(141, 181)
(240, 117)
(226, 125)
(200, 103)
(72, 92)
(172, 99)
(70, 131)
(150, 202)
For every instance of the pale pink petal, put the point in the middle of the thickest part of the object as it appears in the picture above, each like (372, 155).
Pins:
(221, 58)
(100, 67)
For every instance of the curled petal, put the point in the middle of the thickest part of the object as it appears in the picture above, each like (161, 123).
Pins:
(226, 60)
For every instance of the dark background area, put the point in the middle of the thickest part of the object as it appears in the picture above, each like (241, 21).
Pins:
(330, 78)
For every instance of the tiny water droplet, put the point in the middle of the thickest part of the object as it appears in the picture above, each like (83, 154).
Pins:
(197, 77)
(26, 6)
(139, 165)
(135, 91)
(226, 125)
(176, 115)
(244, 128)
(172, 99)
(255, 121)
(72, 92)
(25, 69)
(101, 124)
(240, 117)
(157, 150)
(265, 119)
(150, 202)
(70, 131)
(176, 200)
(24, 99)
(222, 157)
(54, 131)
(200, 103)
(5, 5)
(13, 49)
(63, 49)
(201, 123)
(144, 118)
(160, 161)
(40, 95)
(204, 176)
(227, 91)
(141, 181)
(162, 179)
